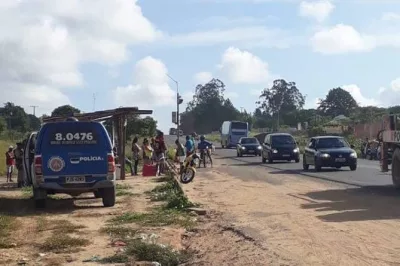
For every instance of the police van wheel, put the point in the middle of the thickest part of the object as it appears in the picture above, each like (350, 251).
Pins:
(39, 195)
(108, 196)
(97, 194)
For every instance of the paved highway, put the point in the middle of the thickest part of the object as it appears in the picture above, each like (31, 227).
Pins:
(367, 174)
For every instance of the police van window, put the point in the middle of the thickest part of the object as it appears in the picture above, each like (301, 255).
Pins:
(72, 135)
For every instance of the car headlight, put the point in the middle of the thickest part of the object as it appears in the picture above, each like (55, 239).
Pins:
(353, 155)
(296, 150)
(259, 147)
(243, 148)
(324, 155)
(275, 151)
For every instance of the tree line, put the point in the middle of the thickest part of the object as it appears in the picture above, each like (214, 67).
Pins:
(281, 105)
(15, 122)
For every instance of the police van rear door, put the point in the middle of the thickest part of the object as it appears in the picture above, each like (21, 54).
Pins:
(75, 149)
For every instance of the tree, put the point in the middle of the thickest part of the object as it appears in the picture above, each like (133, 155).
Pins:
(143, 127)
(65, 110)
(34, 122)
(337, 102)
(15, 117)
(208, 109)
(282, 98)
(3, 125)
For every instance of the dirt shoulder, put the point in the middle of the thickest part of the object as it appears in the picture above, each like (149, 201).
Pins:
(288, 220)
(143, 226)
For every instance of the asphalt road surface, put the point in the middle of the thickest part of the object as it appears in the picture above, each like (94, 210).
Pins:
(367, 174)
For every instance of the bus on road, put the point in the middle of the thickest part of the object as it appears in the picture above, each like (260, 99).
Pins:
(232, 131)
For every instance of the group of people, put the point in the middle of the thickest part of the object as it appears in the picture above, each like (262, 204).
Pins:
(152, 152)
(183, 151)
(14, 159)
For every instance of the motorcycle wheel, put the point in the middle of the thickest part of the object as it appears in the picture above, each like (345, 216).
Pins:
(187, 176)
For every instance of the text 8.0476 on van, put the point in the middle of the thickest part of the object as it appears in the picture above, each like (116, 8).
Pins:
(73, 138)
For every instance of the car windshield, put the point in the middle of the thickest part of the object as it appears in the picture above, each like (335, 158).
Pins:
(282, 140)
(249, 141)
(325, 143)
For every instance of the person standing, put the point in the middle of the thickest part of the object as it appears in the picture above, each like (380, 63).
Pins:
(135, 155)
(10, 162)
(19, 156)
(189, 145)
(147, 151)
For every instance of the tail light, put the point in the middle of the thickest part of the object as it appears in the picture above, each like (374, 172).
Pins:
(38, 165)
(111, 163)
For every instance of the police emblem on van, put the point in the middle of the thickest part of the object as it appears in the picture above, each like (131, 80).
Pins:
(91, 158)
(56, 164)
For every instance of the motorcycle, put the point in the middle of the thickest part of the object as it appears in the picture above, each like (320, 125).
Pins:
(204, 157)
(188, 168)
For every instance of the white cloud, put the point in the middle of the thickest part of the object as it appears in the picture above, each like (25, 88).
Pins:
(151, 88)
(390, 16)
(386, 96)
(222, 21)
(43, 44)
(341, 39)
(318, 10)
(202, 77)
(355, 91)
(244, 67)
(312, 104)
(250, 36)
(231, 95)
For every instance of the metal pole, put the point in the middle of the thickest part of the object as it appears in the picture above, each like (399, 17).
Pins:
(177, 106)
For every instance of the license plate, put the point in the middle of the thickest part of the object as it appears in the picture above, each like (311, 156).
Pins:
(340, 160)
(75, 179)
(251, 151)
(285, 155)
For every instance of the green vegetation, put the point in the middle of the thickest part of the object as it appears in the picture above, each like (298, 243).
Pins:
(7, 225)
(172, 212)
(142, 251)
(60, 239)
(280, 106)
(123, 190)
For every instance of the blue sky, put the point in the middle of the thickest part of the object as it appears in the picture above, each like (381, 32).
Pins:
(122, 51)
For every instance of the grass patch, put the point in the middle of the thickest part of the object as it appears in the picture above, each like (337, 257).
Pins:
(123, 190)
(119, 231)
(143, 251)
(27, 192)
(7, 225)
(60, 242)
(158, 217)
(3, 148)
(57, 226)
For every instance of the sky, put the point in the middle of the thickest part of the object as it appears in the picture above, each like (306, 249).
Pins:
(103, 54)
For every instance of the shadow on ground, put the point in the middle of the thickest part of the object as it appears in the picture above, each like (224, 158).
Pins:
(356, 204)
(22, 206)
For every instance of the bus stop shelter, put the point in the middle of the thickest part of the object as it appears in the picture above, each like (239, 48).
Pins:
(118, 117)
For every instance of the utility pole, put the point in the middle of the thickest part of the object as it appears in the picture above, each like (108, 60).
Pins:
(94, 101)
(179, 100)
(34, 109)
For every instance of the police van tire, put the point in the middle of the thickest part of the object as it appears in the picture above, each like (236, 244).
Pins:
(39, 195)
(97, 194)
(108, 196)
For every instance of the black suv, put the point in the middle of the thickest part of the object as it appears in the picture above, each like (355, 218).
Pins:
(280, 146)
